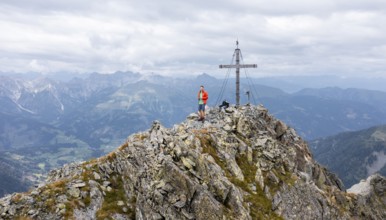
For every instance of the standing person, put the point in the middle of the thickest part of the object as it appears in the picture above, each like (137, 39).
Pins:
(202, 98)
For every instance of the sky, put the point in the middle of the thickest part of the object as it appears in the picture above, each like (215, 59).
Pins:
(171, 37)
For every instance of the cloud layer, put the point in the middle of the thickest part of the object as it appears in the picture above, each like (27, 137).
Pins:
(300, 37)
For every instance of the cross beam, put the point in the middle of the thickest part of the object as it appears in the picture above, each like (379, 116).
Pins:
(238, 66)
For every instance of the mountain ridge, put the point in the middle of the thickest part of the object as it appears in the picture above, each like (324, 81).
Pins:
(352, 94)
(94, 114)
(242, 163)
(353, 155)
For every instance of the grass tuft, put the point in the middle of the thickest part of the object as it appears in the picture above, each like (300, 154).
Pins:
(110, 205)
(260, 207)
(16, 198)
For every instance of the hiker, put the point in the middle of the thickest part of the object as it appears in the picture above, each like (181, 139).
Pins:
(202, 98)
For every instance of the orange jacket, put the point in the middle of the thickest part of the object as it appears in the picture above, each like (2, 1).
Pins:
(204, 96)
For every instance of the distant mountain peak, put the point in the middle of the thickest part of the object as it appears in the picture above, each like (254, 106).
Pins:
(239, 164)
(205, 77)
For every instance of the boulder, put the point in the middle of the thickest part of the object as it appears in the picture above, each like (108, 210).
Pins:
(74, 192)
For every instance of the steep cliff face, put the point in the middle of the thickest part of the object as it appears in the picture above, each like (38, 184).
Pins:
(240, 164)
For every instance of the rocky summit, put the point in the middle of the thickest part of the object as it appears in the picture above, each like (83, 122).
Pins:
(241, 163)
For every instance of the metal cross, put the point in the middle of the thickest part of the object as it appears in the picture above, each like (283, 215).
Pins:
(238, 66)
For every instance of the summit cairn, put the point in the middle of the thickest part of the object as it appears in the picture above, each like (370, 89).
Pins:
(241, 164)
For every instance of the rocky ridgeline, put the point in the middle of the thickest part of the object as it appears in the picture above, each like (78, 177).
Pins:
(240, 164)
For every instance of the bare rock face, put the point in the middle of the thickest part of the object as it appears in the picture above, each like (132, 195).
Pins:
(372, 193)
(241, 163)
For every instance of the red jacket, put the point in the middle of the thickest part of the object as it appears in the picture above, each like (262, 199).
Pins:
(204, 96)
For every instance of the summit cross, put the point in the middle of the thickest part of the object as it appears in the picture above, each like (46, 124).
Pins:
(238, 66)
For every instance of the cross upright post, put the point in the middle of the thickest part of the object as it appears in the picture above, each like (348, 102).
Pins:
(238, 66)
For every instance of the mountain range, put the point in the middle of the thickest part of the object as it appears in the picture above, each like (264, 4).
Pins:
(49, 123)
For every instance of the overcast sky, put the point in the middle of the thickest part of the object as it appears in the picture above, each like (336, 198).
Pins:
(298, 37)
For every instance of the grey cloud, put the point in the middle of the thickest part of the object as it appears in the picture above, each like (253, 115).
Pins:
(284, 37)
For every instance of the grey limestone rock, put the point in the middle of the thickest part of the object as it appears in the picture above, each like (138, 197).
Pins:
(242, 163)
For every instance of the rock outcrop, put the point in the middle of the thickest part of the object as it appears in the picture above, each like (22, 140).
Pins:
(239, 164)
